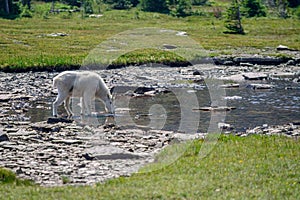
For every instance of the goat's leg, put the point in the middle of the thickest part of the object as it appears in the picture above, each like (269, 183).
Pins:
(82, 105)
(87, 97)
(67, 106)
(59, 100)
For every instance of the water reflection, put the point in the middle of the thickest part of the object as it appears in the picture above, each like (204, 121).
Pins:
(164, 111)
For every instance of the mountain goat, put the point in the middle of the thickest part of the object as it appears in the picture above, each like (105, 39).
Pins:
(84, 84)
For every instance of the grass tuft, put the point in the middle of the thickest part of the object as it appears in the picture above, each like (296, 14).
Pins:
(8, 177)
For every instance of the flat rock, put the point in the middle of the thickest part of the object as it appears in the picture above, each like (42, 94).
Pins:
(11, 130)
(5, 97)
(54, 120)
(221, 108)
(109, 153)
(44, 127)
(283, 75)
(255, 76)
(230, 85)
(259, 60)
(224, 126)
(143, 90)
(185, 136)
(282, 48)
(257, 86)
(68, 141)
(233, 98)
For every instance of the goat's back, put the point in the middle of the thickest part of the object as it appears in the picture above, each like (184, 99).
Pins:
(80, 81)
(65, 80)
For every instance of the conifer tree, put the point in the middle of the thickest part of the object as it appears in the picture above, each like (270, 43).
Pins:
(233, 18)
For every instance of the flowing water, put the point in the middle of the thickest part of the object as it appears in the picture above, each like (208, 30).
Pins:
(172, 111)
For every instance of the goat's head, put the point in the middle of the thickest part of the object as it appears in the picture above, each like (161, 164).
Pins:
(109, 106)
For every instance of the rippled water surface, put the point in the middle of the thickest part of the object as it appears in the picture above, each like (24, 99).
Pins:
(171, 111)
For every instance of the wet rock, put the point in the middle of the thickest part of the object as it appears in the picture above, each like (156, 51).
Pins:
(246, 64)
(197, 73)
(143, 90)
(291, 62)
(228, 63)
(296, 80)
(3, 137)
(54, 120)
(215, 109)
(297, 123)
(233, 98)
(230, 85)
(255, 76)
(282, 75)
(225, 126)
(257, 86)
(44, 127)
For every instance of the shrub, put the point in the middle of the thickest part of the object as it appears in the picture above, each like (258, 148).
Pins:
(122, 4)
(182, 9)
(160, 6)
(7, 176)
(297, 12)
(253, 8)
(25, 11)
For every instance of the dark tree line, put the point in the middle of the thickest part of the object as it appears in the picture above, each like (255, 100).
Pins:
(180, 8)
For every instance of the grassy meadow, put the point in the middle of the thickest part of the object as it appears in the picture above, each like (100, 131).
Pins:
(254, 167)
(25, 43)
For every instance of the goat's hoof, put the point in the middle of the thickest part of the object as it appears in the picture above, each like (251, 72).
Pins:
(54, 115)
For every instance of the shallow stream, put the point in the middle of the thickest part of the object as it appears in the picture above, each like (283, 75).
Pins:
(170, 111)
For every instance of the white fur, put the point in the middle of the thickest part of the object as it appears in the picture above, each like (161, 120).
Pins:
(84, 84)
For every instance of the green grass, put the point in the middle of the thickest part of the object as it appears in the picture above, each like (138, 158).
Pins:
(145, 56)
(24, 42)
(254, 167)
(8, 177)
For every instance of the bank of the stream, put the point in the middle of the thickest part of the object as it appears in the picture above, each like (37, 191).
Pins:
(58, 44)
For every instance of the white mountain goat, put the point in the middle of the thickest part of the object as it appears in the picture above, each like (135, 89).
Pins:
(84, 84)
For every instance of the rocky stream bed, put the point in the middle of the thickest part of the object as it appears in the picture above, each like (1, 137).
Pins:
(61, 151)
